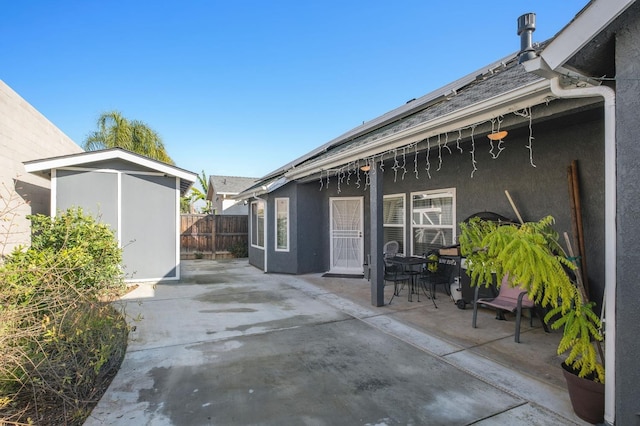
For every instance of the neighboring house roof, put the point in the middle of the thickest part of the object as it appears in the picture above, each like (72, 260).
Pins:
(44, 166)
(227, 185)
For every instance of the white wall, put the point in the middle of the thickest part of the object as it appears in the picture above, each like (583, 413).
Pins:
(25, 134)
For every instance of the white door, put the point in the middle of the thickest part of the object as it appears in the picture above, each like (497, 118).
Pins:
(347, 248)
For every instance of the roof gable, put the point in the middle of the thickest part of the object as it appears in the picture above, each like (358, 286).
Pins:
(95, 158)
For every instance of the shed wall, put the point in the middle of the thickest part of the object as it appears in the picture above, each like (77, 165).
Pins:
(95, 192)
(143, 214)
(149, 221)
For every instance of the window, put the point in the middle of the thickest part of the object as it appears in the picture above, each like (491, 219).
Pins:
(433, 220)
(393, 208)
(257, 224)
(282, 224)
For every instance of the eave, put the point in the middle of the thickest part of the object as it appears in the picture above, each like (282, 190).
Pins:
(526, 96)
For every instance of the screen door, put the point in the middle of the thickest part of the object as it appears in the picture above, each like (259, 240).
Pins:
(346, 235)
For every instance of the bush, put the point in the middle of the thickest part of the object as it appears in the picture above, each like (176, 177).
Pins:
(239, 250)
(89, 244)
(61, 342)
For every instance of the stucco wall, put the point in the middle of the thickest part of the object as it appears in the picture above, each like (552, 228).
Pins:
(537, 191)
(149, 220)
(25, 134)
(628, 212)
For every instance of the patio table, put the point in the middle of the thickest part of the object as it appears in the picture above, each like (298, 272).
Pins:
(407, 263)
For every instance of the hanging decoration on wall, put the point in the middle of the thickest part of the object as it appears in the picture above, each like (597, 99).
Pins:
(446, 141)
(473, 151)
(526, 113)
(496, 137)
(428, 169)
(396, 166)
(363, 166)
(415, 161)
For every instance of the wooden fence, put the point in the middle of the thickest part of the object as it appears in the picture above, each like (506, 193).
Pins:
(211, 236)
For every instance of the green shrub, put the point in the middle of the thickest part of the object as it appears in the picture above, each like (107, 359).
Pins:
(60, 339)
(90, 244)
(239, 250)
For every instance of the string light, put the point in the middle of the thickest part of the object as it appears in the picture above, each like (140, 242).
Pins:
(396, 166)
(500, 144)
(357, 166)
(404, 162)
(473, 151)
(428, 163)
(439, 155)
(526, 113)
(415, 161)
(446, 141)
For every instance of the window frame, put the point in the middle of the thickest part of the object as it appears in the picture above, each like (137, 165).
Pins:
(287, 229)
(434, 194)
(403, 226)
(254, 224)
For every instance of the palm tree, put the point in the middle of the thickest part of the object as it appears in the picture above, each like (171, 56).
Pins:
(115, 131)
(201, 194)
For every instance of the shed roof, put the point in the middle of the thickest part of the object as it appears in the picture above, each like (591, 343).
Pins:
(44, 166)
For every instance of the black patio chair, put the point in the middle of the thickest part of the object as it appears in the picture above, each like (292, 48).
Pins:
(443, 275)
(395, 274)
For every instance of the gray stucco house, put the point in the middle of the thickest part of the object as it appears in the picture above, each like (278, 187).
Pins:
(414, 173)
(137, 196)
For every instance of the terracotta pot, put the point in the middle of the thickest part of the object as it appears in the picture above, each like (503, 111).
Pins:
(587, 396)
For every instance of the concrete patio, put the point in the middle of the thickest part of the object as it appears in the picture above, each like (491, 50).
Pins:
(231, 345)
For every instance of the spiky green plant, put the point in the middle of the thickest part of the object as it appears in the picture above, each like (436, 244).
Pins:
(534, 260)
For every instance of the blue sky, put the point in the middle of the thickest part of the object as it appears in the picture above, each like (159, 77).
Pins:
(242, 87)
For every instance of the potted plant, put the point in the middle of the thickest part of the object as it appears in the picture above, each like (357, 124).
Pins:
(533, 259)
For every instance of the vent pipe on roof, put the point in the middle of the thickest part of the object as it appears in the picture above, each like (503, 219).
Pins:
(526, 27)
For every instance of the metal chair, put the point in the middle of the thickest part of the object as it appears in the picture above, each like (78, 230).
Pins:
(443, 275)
(395, 274)
(509, 299)
(390, 249)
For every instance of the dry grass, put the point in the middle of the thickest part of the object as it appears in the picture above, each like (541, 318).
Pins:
(61, 342)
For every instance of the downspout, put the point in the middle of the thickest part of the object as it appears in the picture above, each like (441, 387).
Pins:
(264, 231)
(610, 236)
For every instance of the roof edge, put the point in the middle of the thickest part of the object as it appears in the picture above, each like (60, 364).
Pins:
(34, 166)
(396, 114)
(589, 22)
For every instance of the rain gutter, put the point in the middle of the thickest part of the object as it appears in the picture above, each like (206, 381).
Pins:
(609, 97)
